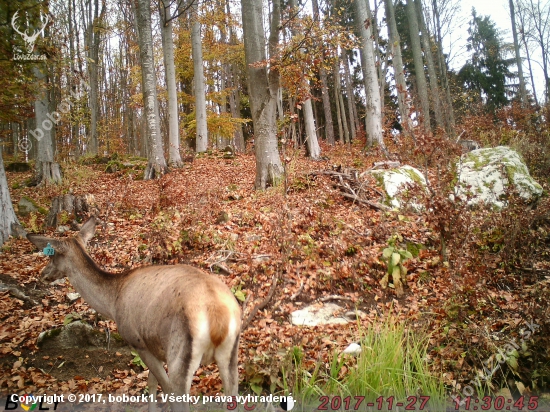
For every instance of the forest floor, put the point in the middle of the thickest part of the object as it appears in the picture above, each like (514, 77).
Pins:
(311, 241)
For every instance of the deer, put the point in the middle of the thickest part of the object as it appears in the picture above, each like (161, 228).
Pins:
(29, 40)
(178, 315)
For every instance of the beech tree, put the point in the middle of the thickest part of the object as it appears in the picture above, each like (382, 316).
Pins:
(92, 38)
(47, 169)
(262, 89)
(156, 162)
(329, 127)
(7, 214)
(398, 68)
(200, 93)
(313, 149)
(419, 74)
(174, 158)
(519, 63)
(373, 121)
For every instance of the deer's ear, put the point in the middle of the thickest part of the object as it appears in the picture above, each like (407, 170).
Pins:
(42, 241)
(88, 230)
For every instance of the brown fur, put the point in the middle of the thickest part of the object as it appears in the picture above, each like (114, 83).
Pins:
(218, 319)
(162, 311)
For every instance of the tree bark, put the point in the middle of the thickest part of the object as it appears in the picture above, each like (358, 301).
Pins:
(398, 68)
(200, 93)
(522, 88)
(373, 120)
(449, 111)
(421, 84)
(434, 88)
(47, 170)
(353, 121)
(340, 110)
(329, 126)
(174, 158)
(93, 38)
(7, 214)
(157, 163)
(262, 91)
(313, 149)
(524, 40)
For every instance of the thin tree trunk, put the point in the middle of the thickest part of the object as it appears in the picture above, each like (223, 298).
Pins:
(234, 95)
(434, 88)
(449, 111)
(93, 39)
(353, 121)
(398, 68)
(329, 127)
(157, 163)
(524, 40)
(313, 149)
(262, 91)
(342, 121)
(522, 88)
(200, 93)
(373, 120)
(174, 158)
(421, 84)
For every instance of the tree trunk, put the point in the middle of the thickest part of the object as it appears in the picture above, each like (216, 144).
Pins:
(434, 88)
(449, 111)
(7, 214)
(373, 120)
(262, 91)
(353, 121)
(526, 46)
(398, 69)
(421, 85)
(522, 89)
(341, 111)
(174, 158)
(47, 171)
(93, 38)
(200, 93)
(157, 163)
(313, 149)
(234, 96)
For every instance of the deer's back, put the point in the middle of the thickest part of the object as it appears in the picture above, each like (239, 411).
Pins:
(180, 302)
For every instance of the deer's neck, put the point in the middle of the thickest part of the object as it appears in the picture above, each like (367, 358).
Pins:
(98, 287)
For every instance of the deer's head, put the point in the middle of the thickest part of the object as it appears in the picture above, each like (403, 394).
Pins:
(62, 261)
(29, 39)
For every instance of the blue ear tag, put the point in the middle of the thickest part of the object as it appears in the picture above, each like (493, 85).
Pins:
(48, 250)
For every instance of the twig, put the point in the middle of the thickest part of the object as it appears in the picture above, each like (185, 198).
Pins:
(374, 205)
(263, 303)
(334, 297)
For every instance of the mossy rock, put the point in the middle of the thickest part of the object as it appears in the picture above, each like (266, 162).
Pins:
(78, 334)
(26, 206)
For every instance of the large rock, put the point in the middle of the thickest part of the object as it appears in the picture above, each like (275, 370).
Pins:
(26, 206)
(323, 314)
(78, 335)
(484, 176)
(396, 183)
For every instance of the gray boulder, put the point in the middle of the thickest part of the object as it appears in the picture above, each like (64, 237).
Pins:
(484, 176)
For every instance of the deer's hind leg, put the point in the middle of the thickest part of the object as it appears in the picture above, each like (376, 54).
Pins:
(157, 374)
(227, 358)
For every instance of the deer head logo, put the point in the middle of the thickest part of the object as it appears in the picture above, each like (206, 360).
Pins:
(29, 40)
